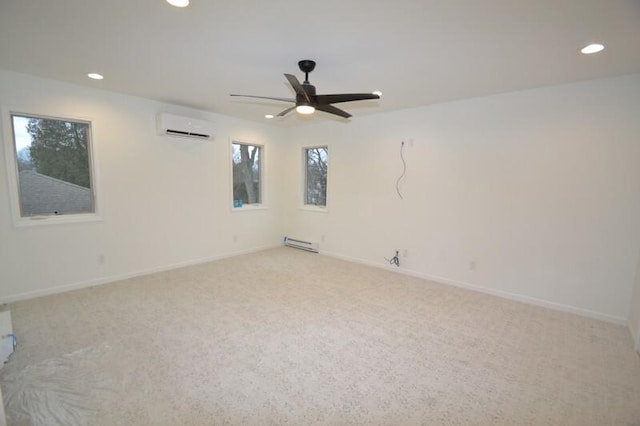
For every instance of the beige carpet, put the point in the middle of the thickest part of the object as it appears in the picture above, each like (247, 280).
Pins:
(291, 338)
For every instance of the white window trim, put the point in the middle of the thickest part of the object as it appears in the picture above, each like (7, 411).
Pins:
(10, 156)
(303, 181)
(263, 173)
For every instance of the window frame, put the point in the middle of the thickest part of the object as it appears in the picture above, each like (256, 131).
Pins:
(303, 181)
(262, 205)
(12, 170)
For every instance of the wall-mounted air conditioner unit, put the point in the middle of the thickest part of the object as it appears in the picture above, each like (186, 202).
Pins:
(184, 127)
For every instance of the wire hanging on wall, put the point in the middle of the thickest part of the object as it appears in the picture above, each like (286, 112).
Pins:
(395, 260)
(404, 170)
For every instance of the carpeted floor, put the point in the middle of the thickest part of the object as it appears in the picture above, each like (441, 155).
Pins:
(290, 338)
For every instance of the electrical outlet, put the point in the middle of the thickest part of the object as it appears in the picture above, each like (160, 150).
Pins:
(235, 238)
(322, 238)
(410, 142)
(472, 265)
(405, 253)
(101, 259)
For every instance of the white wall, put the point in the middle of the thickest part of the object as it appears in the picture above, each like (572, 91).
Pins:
(540, 188)
(164, 201)
(634, 316)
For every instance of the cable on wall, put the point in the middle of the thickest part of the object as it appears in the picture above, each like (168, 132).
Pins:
(404, 170)
(395, 260)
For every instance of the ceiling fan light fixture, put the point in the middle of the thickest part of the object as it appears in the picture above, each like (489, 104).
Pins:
(305, 109)
(178, 3)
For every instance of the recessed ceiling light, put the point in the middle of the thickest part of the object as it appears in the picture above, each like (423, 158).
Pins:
(178, 3)
(592, 48)
(95, 76)
(269, 116)
(377, 92)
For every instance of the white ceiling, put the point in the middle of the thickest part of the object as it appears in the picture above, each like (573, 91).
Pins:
(417, 52)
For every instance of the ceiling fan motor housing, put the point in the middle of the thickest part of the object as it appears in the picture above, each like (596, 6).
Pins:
(310, 89)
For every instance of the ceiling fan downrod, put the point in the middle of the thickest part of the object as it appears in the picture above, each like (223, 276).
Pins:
(306, 66)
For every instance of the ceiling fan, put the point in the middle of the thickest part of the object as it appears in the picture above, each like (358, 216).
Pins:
(307, 101)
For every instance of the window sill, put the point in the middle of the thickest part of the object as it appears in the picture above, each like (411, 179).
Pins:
(315, 209)
(249, 207)
(24, 222)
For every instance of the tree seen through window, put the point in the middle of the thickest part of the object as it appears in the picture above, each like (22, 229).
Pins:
(54, 167)
(316, 165)
(246, 174)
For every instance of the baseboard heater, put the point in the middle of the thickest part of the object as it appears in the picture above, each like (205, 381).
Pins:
(302, 245)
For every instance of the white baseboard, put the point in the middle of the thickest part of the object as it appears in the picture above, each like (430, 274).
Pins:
(105, 280)
(506, 295)
(438, 279)
(635, 335)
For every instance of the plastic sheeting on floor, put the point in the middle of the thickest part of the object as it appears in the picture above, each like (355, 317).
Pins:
(65, 390)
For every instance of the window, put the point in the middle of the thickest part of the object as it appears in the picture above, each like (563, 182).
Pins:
(247, 174)
(53, 165)
(316, 161)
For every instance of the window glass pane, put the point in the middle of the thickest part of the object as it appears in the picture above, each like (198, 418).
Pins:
(316, 163)
(54, 168)
(246, 174)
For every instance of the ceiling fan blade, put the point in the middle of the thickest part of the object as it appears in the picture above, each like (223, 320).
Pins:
(266, 97)
(333, 110)
(286, 111)
(293, 81)
(344, 97)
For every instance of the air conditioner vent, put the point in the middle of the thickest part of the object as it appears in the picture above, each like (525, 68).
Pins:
(187, 134)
